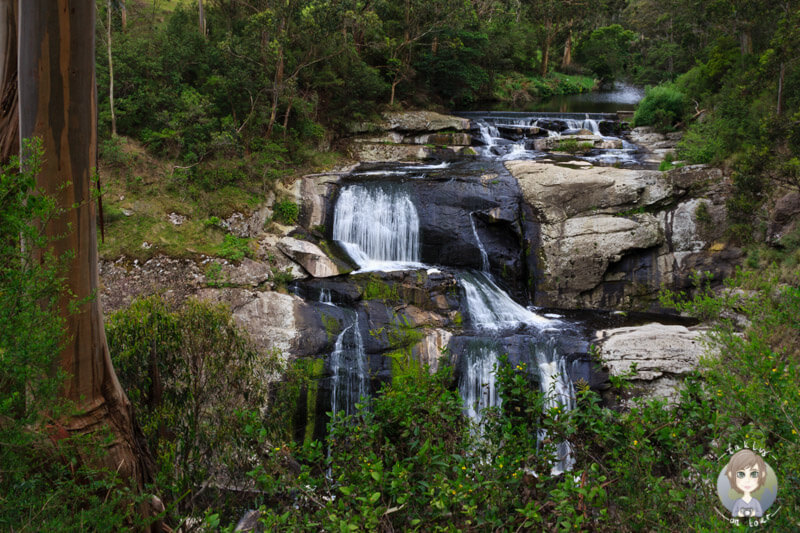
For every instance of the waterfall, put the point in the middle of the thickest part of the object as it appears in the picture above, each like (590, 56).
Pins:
(490, 308)
(558, 391)
(325, 297)
(484, 255)
(378, 228)
(478, 382)
(592, 126)
(488, 133)
(349, 370)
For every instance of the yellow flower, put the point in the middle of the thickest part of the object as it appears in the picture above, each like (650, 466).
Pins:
(774, 369)
(463, 468)
(794, 432)
(635, 442)
(501, 465)
(674, 435)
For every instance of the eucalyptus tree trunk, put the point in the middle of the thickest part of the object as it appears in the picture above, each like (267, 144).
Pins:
(58, 105)
(111, 70)
(201, 14)
(9, 110)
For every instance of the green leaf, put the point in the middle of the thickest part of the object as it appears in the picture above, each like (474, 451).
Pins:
(375, 497)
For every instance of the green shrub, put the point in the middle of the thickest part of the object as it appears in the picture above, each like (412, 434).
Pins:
(606, 51)
(234, 248)
(191, 375)
(573, 146)
(48, 481)
(286, 212)
(662, 107)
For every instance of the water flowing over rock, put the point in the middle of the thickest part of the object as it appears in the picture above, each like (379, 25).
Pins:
(478, 383)
(349, 369)
(490, 308)
(377, 227)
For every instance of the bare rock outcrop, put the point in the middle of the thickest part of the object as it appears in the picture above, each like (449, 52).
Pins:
(309, 256)
(612, 238)
(654, 357)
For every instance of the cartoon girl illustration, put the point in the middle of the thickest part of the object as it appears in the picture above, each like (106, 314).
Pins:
(746, 472)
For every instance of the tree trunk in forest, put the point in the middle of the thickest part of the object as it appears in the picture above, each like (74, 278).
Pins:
(9, 110)
(745, 42)
(201, 17)
(779, 110)
(546, 55)
(277, 87)
(566, 61)
(110, 73)
(58, 105)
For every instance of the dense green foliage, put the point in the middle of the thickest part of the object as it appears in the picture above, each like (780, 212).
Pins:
(412, 461)
(192, 377)
(662, 107)
(48, 481)
(268, 81)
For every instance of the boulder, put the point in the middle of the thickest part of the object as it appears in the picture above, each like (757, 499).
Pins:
(309, 256)
(274, 321)
(424, 121)
(579, 250)
(246, 273)
(374, 152)
(268, 252)
(559, 192)
(611, 238)
(783, 217)
(411, 122)
(662, 355)
(250, 225)
(428, 351)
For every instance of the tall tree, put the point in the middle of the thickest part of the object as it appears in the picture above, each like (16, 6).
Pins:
(9, 111)
(553, 16)
(58, 105)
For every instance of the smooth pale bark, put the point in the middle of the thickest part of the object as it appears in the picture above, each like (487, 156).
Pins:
(201, 12)
(58, 105)
(9, 103)
(111, 70)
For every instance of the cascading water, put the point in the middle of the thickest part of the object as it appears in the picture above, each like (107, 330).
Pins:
(559, 393)
(477, 384)
(491, 309)
(349, 370)
(484, 255)
(378, 228)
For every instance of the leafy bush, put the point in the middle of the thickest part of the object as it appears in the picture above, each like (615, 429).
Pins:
(662, 107)
(192, 377)
(573, 146)
(234, 248)
(286, 212)
(606, 51)
(48, 478)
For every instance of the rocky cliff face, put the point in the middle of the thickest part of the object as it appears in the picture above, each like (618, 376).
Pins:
(612, 238)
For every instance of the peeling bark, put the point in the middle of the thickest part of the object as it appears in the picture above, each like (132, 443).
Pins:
(9, 101)
(58, 105)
